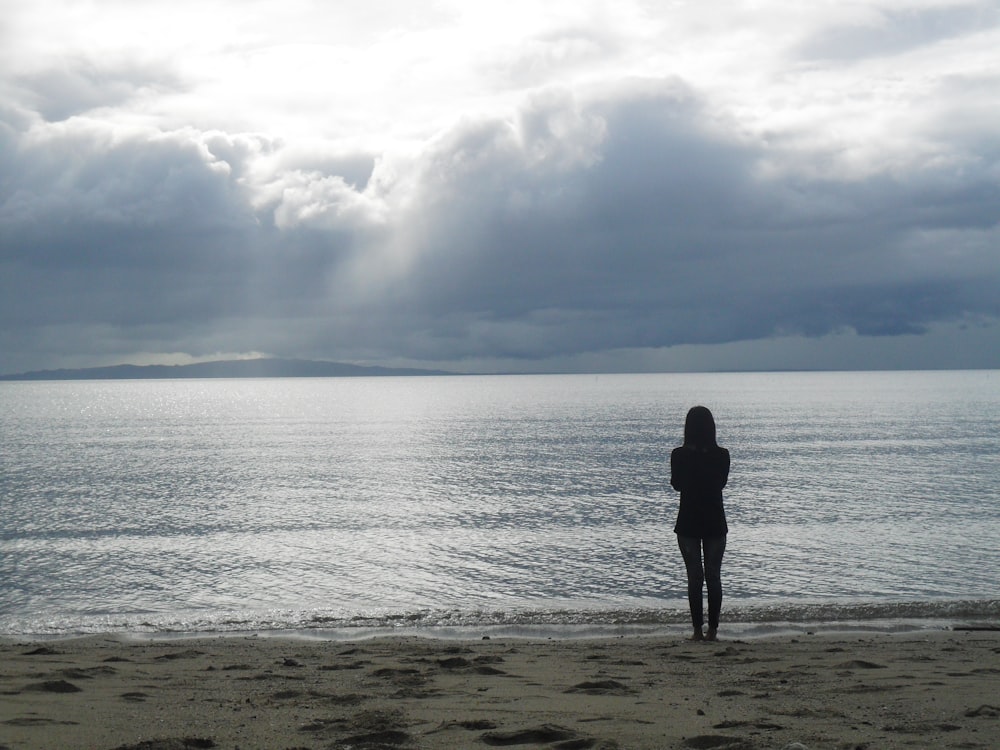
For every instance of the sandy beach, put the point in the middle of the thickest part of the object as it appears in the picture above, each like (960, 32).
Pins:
(923, 689)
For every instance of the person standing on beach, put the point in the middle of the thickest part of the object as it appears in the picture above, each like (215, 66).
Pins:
(699, 470)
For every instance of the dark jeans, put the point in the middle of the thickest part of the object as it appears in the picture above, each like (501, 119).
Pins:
(701, 571)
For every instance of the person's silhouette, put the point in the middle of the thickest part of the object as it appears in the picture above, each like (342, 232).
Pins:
(699, 470)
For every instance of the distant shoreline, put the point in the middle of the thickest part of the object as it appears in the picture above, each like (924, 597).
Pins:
(297, 368)
(239, 368)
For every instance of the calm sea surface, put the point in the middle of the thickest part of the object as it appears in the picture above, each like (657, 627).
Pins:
(339, 505)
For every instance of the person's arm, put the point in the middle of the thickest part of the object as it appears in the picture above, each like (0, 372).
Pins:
(677, 473)
(723, 468)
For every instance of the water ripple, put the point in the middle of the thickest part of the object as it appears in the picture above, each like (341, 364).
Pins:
(141, 500)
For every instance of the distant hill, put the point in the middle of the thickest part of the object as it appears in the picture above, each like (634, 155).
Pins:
(237, 368)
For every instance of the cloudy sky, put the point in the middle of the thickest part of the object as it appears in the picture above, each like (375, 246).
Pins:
(518, 185)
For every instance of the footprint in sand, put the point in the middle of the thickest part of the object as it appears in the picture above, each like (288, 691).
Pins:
(859, 664)
(322, 725)
(601, 687)
(53, 686)
(476, 725)
(285, 695)
(88, 673)
(478, 666)
(540, 735)
(402, 677)
(346, 665)
(374, 729)
(765, 725)
(174, 743)
(717, 742)
(992, 712)
(387, 737)
(37, 721)
(189, 654)
(922, 728)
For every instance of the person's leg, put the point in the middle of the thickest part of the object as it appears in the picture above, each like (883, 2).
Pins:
(691, 552)
(715, 547)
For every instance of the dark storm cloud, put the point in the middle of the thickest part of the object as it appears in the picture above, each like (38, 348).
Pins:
(84, 172)
(637, 222)
(632, 219)
(133, 233)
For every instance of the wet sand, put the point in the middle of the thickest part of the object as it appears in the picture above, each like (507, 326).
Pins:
(924, 689)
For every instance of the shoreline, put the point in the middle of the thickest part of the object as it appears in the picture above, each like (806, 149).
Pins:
(742, 619)
(746, 630)
(873, 689)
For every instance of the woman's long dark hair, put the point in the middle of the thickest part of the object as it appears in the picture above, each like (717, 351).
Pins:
(699, 428)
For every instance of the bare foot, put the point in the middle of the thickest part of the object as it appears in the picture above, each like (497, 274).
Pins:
(712, 635)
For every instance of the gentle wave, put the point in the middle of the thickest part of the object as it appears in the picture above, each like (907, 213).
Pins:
(535, 503)
(745, 620)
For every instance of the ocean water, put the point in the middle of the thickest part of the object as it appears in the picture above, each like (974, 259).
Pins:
(467, 504)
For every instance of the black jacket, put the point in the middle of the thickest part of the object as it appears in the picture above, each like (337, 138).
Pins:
(699, 475)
